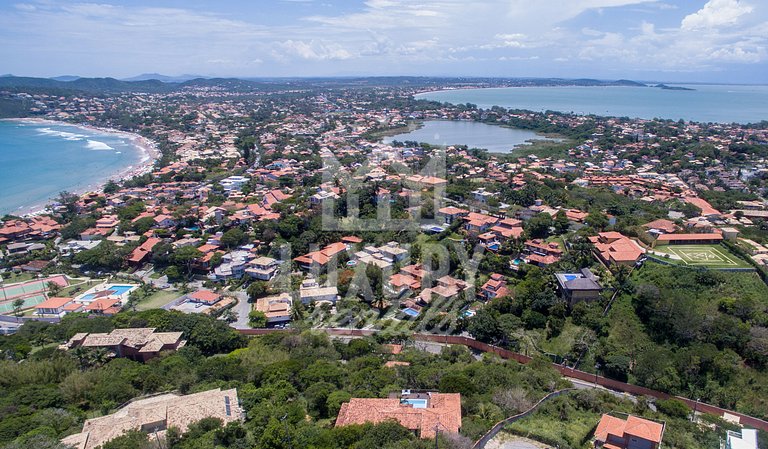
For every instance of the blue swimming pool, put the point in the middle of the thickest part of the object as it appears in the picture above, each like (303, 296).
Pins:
(116, 290)
(494, 246)
(411, 312)
(570, 277)
(416, 403)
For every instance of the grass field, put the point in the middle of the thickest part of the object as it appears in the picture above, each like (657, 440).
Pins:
(157, 299)
(711, 256)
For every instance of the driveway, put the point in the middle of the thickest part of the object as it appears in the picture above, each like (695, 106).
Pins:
(242, 308)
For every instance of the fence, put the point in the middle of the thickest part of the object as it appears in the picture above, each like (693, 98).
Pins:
(565, 371)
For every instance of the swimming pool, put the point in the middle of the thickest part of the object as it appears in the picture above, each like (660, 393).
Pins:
(570, 277)
(116, 290)
(416, 403)
(411, 312)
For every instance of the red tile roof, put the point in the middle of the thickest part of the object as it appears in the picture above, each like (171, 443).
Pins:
(442, 409)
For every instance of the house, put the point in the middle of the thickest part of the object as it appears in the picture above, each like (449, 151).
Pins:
(155, 415)
(479, 223)
(206, 297)
(384, 256)
(447, 288)
(262, 268)
(495, 287)
(56, 307)
(615, 248)
(577, 287)
(632, 433)
(508, 228)
(541, 253)
(746, 439)
(311, 291)
(419, 412)
(140, 254)
(662, 226)
(104, 306)
(233, 265)
(276, 308)
(139, 344)
(451, 214)
(482, 196)
(320, 258)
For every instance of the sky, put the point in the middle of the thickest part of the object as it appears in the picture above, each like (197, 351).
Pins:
(650, 40)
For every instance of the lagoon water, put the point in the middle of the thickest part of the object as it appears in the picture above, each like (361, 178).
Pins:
(495, 139)
(707, 103)
(39, 160)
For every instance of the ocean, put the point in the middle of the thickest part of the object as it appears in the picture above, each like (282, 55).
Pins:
(39, 160)
(707, 103)
(495, 139)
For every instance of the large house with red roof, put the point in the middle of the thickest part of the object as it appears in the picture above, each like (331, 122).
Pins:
(630, 433)
(613, 248)
(495, 287)
(419, 412)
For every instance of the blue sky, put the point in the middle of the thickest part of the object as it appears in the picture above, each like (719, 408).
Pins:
(667, 40)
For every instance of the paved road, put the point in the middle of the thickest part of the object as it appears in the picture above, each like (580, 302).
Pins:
(243, 308)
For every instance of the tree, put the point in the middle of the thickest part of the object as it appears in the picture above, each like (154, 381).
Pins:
(111, 187)
(233, 238)
(538, 226)
(257, 319)
(185, 257)
(597, 220)
(17, 305)
(297, 311)
(561, 222)
(256, 290)
(53, 288)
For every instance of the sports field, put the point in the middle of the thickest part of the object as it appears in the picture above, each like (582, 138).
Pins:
(713, 256)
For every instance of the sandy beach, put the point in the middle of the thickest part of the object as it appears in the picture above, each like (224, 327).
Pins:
(147, 149)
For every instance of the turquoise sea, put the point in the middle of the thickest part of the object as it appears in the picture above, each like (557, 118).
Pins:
(707, 103)
(39, 160)
(495, 139)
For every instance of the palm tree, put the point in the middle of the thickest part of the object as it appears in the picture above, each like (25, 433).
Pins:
(297, 312)
(17, 305)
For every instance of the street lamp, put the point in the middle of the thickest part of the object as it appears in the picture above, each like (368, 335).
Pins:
(597, 368)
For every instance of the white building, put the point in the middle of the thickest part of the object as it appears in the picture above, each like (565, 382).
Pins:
(747, 439)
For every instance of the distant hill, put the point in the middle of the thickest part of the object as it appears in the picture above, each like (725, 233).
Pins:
(65, 78)
(157, 83)
(96, 85)
(163, 78)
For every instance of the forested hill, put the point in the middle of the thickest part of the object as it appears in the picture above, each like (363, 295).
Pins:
(112, 85)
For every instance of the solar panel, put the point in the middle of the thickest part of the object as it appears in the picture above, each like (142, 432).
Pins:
(227, 408)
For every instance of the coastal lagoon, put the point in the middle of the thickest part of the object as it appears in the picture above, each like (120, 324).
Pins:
(707, 103)
(40, 159)
(496, 139)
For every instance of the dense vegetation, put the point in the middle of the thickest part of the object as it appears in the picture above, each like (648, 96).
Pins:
(291, 385)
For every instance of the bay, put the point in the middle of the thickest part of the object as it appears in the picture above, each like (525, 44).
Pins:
(40, 159)
(706, 103)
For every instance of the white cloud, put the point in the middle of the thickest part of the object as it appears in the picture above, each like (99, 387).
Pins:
(716, 13)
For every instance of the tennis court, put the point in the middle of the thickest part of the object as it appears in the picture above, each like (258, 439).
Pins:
(23, 289)
(715, 256)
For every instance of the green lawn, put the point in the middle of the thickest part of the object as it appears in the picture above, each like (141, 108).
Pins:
(710, 256)
(157, 299)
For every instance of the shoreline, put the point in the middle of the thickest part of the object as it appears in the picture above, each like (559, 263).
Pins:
(146, 148)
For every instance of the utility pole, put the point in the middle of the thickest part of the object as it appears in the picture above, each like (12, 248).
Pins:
(437, 434)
